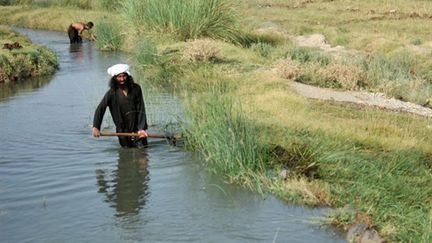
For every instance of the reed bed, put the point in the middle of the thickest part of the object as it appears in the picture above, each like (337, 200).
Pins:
(228, 142)
(184, 19)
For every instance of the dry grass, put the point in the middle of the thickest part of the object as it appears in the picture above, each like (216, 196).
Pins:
(288, 69)
(350, 77)
(201, 50)
(301, 190)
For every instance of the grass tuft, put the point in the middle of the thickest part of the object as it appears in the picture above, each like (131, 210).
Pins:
(227, 140)
(108, 36)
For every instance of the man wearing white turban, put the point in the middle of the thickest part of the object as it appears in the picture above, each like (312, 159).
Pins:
(126, 104)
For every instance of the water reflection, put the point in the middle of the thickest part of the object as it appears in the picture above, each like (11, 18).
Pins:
(12, 88)
(75, 48)
(126, 188)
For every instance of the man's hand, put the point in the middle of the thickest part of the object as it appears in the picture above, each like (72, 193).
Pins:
(95, 132)
(142, 134)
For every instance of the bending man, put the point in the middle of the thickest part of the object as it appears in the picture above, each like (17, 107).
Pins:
(126, 104)
(75, 31)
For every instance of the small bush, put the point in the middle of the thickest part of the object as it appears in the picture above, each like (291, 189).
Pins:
(201, 50)
(288, 69)
(348, 77)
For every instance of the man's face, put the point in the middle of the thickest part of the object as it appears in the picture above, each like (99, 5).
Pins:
(121, 78)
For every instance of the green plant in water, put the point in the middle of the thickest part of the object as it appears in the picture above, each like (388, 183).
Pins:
(108, 36)
(227, 140)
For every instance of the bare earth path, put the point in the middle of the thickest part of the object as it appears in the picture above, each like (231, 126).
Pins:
(357, 97)
(360, 97)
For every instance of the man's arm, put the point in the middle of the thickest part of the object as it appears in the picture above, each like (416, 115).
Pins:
(99, 114)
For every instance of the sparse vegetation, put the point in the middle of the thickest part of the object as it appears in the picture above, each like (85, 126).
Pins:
(333, 154)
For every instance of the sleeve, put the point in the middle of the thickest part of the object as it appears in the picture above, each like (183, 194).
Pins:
(100, 111)
(142, 117)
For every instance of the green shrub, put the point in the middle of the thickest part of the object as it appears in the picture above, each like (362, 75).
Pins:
(108, 36)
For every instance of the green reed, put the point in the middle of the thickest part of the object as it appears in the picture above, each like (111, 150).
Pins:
(184, 19)
(227, 140)
(108, 36)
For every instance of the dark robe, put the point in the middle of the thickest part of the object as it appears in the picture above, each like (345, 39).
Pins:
(128, 113)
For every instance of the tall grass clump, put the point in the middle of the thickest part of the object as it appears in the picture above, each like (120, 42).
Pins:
(228, 141)
(399, 75)
(184, 19)
(108, 36)
(397, 68)
(145, 53)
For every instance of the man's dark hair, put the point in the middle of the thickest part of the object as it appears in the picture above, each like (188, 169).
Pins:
(90, 24)
(113, 84)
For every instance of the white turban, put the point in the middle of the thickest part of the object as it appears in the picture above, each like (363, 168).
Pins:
(117, 69)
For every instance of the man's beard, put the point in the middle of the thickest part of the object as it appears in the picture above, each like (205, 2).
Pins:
(122, 85)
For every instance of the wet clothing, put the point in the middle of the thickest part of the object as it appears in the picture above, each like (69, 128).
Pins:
(74, 35)
(127, 112)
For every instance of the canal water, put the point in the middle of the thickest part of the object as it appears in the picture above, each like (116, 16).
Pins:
(59, 184)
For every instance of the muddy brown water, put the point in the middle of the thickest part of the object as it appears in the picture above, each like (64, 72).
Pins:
(58, 184)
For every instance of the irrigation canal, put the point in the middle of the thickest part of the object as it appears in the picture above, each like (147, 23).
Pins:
(58, 184)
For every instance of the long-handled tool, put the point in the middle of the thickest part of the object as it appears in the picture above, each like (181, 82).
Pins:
(132, 134)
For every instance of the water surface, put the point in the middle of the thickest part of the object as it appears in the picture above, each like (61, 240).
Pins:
(58, 184)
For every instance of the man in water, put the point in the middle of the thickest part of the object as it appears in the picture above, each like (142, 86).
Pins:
(126, 104)
(75, 31)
